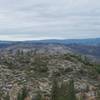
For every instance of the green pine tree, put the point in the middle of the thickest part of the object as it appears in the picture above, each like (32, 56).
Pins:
(54, 93)
(71, 91)
(63, 91)
(19, 96)
(23, 94)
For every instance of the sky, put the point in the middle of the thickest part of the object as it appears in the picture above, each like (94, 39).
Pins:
(49, 19)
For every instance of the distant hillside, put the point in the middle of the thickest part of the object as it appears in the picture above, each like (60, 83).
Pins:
(4, 44)
(95, 41)
(90, 50)
(90, 47)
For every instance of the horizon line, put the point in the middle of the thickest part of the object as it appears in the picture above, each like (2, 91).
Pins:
(27, 40)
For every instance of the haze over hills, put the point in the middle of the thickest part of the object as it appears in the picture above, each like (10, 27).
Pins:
(89, 47)
(92, 41)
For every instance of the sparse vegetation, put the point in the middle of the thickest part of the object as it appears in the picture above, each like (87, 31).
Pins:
(35, 71)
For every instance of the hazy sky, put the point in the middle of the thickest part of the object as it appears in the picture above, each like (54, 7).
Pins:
(49, 19)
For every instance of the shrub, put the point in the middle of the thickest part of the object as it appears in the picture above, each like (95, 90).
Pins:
(23, 94)
(98, 68)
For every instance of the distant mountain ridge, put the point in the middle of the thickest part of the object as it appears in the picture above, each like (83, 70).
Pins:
(89, 47)
(93, 41)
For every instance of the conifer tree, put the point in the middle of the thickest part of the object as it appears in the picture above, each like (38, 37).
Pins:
(54, 92)
(63, 91)
(23, 94)
(71, 91)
